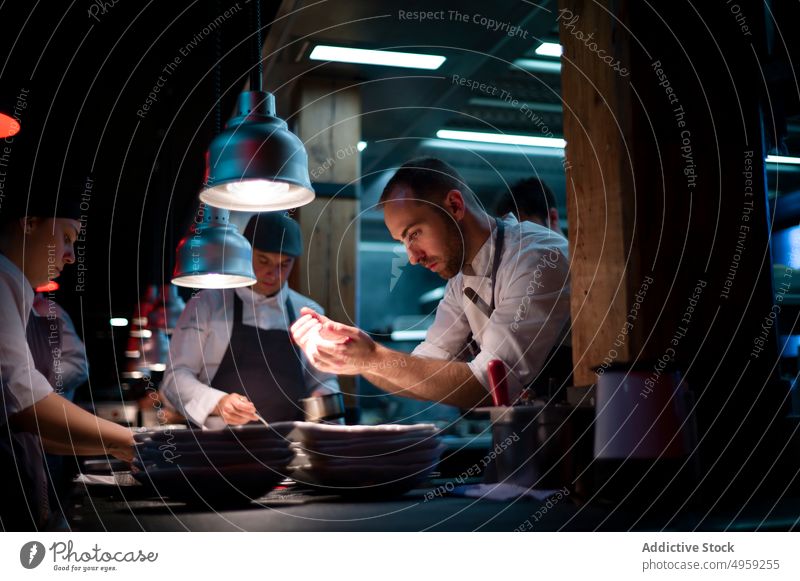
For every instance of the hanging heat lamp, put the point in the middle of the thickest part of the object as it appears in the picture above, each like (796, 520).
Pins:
(256, 164)
(9, 126)
(214, 254)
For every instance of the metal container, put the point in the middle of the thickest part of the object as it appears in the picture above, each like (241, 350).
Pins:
(326, 408)
(543, 445)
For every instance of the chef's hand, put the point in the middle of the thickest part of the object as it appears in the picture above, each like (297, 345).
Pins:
(330, 346)
(123, 450)
(307, 332)
(349, 351)
(235, 409)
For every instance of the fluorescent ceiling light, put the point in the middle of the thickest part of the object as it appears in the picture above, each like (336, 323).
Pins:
(361, 146)
(503, 104)
(549, 49)
(118, 322)
(783, 159)
(387, 58)
(492, 148)
(531, 140)
(538, 66)
(410, 335)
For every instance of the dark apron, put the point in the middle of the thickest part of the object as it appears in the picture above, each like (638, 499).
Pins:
(472, 347)
(264, 365)
(556, 372)
(26, 506)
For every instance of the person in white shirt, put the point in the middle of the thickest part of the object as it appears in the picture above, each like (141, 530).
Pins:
(507, 295)
(36, 243)
(52, 328)
(231, 354)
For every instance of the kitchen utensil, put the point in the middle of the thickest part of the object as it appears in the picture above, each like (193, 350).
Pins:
(544, 446)
(641, 414)
(497, 382)
(325, 408)
(262, 420)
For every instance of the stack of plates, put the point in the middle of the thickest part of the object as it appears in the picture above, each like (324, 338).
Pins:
(214, 467)
(365, 461)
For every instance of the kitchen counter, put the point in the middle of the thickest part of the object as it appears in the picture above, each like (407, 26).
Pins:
(292, 508)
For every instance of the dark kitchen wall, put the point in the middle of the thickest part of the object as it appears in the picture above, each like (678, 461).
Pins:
(119, 101)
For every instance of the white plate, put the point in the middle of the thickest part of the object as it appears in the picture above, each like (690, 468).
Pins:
(310, 432)
(371, 445)
(398, 458)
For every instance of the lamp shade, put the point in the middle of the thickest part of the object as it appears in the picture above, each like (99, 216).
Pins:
(214, 255)
(256, 164)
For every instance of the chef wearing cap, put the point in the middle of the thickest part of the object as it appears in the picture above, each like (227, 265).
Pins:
(36, 244)
(231, 354)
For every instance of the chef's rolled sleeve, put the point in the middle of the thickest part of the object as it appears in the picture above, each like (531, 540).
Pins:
(448, 335)
(191, 397)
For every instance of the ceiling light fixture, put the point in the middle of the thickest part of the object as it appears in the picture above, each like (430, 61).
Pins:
(783, 159)
(256, 164)
(386, 58)
(537, 65)
(481, 137)
(549, 49)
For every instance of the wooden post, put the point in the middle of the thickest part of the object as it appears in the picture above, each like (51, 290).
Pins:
(328, 121)
(667, 208)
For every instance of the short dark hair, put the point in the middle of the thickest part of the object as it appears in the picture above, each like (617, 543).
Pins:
(531, 196)
(429, 179)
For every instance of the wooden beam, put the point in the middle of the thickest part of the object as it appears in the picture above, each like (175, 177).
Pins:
(329, 123)
(667, 209)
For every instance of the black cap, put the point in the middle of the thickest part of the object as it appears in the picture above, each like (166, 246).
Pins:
(274, 232)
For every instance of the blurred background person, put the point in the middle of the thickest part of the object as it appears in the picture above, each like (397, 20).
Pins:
(531, 200)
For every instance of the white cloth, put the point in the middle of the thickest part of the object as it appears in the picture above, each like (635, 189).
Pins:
(201, 339)
(503, 492)
(531, 307)
(71, 367)
(22, 385)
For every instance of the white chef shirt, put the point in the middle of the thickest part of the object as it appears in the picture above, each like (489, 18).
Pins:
(22, 385)
(531, 307)
(203, 334)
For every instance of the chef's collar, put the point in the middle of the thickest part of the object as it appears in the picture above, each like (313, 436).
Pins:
(481, 264)
(249, 296)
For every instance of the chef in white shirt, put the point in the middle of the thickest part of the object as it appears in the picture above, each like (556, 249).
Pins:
(231, 354)
(36, 243)
(507, 295)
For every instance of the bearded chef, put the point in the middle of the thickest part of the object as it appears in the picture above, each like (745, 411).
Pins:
(231, 355)
(507, 296)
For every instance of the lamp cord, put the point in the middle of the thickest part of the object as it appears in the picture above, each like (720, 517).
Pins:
(257, 72)
(218, 74)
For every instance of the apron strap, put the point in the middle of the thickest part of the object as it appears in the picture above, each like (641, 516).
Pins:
(471, 346)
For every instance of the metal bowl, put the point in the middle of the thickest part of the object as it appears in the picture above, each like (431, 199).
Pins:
(325, 408)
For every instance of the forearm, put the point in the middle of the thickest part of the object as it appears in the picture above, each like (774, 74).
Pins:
(190, 397)
(66, 449)
(448, 382)
(57, 419)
